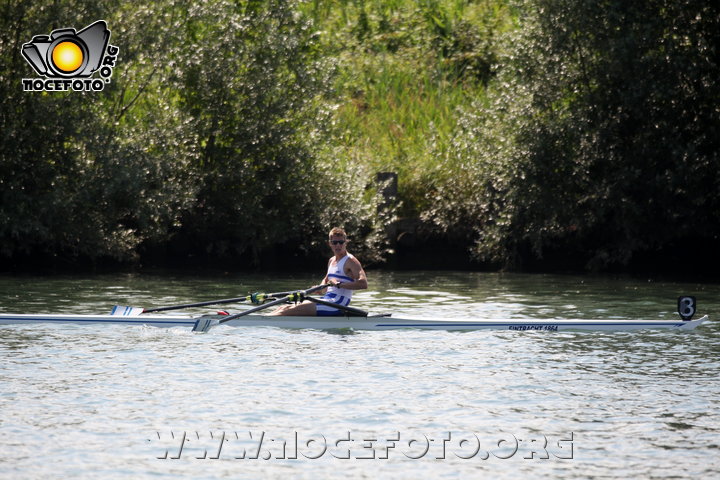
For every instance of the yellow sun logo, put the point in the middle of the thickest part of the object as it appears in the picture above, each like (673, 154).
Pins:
(67, 56)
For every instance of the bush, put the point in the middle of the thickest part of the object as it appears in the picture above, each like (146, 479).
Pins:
(597, 140)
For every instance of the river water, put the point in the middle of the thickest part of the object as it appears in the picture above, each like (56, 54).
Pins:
(134, 402)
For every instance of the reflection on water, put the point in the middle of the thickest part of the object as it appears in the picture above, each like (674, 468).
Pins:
(111, 399)
(481, 295)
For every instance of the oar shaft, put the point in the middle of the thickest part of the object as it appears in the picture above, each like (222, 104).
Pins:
(351, 310)
(214, 302)
(253, 310)
(198, 304)
(274, 302)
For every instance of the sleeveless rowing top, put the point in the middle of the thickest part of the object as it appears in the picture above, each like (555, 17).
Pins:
(337, 273)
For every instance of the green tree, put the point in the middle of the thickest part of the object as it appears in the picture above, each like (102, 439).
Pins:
(255, 87)
(73, 183)
(601, 140)
(210, 138)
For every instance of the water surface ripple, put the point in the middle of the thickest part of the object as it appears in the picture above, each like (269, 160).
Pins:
(90, 401)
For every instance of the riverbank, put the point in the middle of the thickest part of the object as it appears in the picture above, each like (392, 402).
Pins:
(412, 251)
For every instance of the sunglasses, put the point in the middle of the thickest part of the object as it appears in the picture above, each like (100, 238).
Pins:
(337, 242)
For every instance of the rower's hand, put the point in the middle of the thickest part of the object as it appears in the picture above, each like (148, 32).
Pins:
(324, 290)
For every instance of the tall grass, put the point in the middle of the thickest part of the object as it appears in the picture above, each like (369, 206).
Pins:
(405, 69)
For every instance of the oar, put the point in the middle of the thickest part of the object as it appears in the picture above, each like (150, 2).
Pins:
(354, 311)
(204, 324)
(254, 298)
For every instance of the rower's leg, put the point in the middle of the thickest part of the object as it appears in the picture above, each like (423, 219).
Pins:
(303, 309)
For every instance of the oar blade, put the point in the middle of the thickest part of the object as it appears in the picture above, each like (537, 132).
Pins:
(125, 311)
(202, 324)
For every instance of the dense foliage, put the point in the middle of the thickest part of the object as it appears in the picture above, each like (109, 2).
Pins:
(209, 141)
(572, 130)
(600, 141)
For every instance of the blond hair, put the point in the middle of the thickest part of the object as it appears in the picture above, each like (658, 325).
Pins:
(337, 231)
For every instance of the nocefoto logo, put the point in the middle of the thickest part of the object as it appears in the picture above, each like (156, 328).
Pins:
(67, 59)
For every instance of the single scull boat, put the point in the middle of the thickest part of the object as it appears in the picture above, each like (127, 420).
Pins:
(370, 322)
(354, 319)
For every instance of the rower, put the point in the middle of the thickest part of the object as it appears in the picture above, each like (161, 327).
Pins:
(345, 273)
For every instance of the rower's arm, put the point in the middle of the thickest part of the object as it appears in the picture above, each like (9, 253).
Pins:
(325, 281)
(356, 271)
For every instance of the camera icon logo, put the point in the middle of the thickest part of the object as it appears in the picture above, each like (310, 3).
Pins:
(67, 58)
(67, 53)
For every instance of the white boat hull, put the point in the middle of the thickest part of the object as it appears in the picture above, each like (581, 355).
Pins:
(361, 323)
